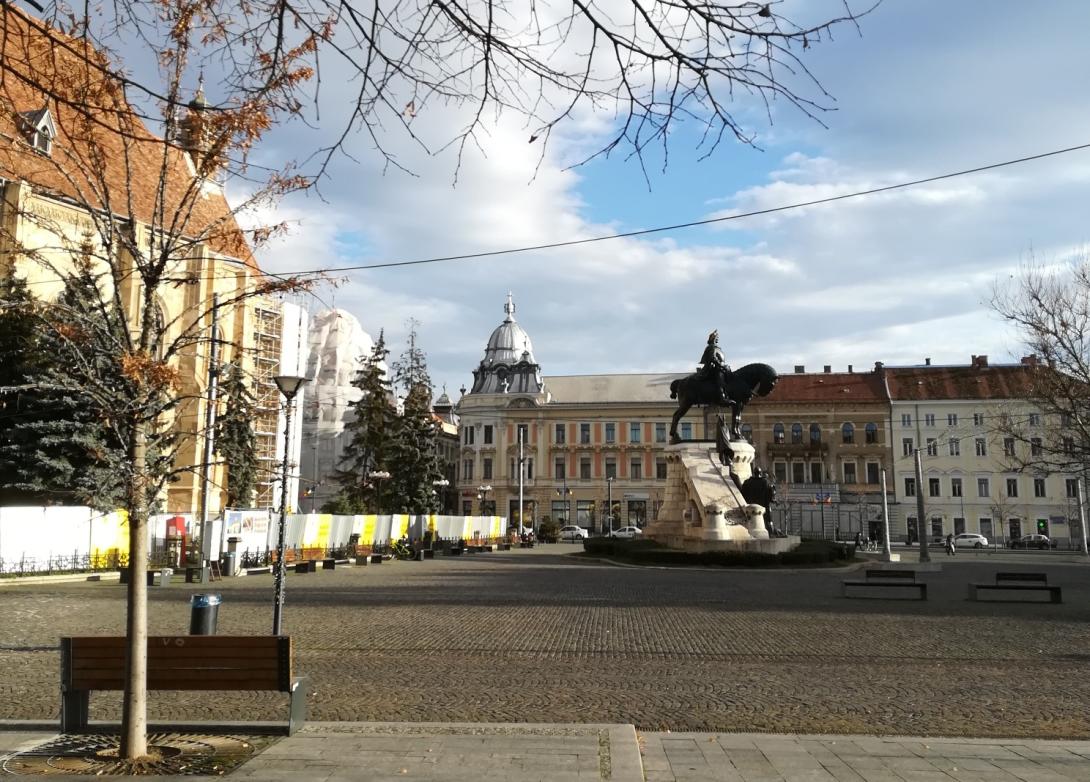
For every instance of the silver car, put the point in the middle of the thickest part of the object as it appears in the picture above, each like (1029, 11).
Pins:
(573, 533)
(627, 532)
(970, 540)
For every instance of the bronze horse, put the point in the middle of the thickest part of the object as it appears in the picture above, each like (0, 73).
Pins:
(739, 387)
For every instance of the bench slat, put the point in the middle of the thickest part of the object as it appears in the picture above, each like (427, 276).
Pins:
(194, 680)
(209, 643)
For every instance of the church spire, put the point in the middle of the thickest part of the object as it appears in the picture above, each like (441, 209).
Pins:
(509, 308)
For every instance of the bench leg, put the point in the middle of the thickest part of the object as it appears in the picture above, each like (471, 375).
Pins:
(972, 591)
(1055, 595)
(297, 714)
(74, 710)
(923, 591)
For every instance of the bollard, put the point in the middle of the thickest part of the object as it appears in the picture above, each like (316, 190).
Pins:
(203, 614)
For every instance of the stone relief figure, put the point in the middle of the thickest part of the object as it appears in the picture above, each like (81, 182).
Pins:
(760, 489)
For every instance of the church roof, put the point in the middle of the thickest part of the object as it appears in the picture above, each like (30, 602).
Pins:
(509, 343)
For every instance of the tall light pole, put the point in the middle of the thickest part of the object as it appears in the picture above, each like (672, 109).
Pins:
(289, 387)
(924, 556)
(377, 477)
(441, 490)
(482, 495)
(522, 471)
(565, 492)
(609, 503)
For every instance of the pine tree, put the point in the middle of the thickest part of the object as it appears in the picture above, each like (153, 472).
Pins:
(19, 360)
(368, 434)
(414, 441)
(235, 439)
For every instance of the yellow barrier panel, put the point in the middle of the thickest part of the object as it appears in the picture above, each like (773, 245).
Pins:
(401, 526)
(110, 534)
(431, 524)
(325, 520)
(496, 526)
(367, 537)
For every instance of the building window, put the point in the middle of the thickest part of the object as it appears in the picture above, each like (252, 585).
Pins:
(583, 511)
(871, 433)
(633, 433)
(816, 475)
(1034, 419)
(1066, 419)
(611, 468)
(1012, 487)
(1039, 487)
(932, 446)
(584, 469)
(778, 434)
(635, 469)
(530, 468)
(486, 470)
(815, 433)
(847, 433)
(955, 487)
(660, 433)
(981, 446)
(929, 419)
(467, 470)
(561, 508)
(1035, 446)
(488, 434)
(584, 434)
(559, 469)
(906, 419)
(560, 434)
(872, 473)
(686, 430)
(747, 433)
(660, 469)
(985, 527)
(982, 487)
(955, 446)
(906, 446)
(798, 472)
(611, 433)
(796, 434)
(469, 435)
(978, 419)
(951, 419)
(1008, 446)
(936, 527)
(959, 525)
(934, 487)
(1072, 487)
(779, 470)
(1069, 445)
(849, 472)
(910, 487)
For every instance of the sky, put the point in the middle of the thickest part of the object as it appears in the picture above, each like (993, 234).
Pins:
(922, 88)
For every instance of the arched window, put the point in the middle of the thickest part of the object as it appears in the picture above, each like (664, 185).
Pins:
(848, 431)
(747, 432)
(872, 434)
(815, 433)
(778, 434)
(796, 433)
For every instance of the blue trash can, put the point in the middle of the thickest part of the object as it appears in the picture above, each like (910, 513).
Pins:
(204, 611)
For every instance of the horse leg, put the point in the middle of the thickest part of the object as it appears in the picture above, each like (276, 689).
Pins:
(682, 408)
(735, 421)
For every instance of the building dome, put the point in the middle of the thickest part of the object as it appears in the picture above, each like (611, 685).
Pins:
(508, 366)
(509, 343)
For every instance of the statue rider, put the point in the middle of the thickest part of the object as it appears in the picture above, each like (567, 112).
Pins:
(713, 367)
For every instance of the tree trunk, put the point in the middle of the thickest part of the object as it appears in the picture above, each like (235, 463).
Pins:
(134, 715)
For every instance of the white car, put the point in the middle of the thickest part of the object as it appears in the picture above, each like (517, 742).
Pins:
(970, 540)
(627, 532)
(573, 533)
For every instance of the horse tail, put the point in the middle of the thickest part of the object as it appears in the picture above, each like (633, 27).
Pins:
(673, 389)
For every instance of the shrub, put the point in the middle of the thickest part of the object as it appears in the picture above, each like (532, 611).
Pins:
(810, 552)
(548, 531)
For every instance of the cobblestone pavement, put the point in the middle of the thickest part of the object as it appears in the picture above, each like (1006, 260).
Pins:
(541, 636)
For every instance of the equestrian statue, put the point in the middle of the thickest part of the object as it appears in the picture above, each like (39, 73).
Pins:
(714, 383)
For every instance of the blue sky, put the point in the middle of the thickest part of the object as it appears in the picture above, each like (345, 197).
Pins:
(927, 87)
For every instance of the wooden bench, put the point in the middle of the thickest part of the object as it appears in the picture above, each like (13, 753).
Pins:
(1018, 582)
(329, 564)
(309, 566)
(188, 662)
(429, 553)
(887, 578)
(376, 559)
(456, 551)
(155, 577)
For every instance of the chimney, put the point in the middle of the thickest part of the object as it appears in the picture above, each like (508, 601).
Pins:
(799, 369)
(879, 367)
(828, 369)
(849, 369)
(980, 362)
(1029, 361)
(927, 361)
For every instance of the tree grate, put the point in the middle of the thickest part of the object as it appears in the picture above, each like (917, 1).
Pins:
(169, 754)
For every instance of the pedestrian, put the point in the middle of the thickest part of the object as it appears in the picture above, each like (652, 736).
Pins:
(859, 540)
(950, 550)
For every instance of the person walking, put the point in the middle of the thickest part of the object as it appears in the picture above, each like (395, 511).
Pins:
(950, 550)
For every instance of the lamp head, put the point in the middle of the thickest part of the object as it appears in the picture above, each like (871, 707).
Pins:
(289, 384)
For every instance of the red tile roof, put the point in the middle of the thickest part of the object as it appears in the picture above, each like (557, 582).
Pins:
(43, 68)
(852, 387)
(962, 382)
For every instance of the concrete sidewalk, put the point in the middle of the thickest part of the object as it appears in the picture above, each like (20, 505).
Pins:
(466, 752)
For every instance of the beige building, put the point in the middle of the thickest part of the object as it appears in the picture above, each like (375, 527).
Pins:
(62, 183)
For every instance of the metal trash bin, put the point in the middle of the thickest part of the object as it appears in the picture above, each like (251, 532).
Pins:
(230, 563)
(204, 611)
(163, 576)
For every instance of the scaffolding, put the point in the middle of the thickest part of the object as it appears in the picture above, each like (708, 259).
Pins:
(268, 331)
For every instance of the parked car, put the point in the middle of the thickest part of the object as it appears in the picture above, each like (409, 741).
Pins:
(573, 533)
(970, 540)
(627, 532)
(1035, 540)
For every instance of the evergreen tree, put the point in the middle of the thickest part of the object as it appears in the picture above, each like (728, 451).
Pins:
(56, 447)
(414, 441)
(235, 439)
(368, 434)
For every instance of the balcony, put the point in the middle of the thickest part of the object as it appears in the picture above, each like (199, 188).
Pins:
(807, 448)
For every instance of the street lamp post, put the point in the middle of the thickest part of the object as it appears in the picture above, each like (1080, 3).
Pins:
(482, 495)
(378, 476)
(609, 503)
(289, 387)
(441, 490)
(565, 492)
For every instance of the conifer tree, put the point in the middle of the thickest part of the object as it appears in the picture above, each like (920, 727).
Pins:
(414, 441)
(235, 439)
(368, 435)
